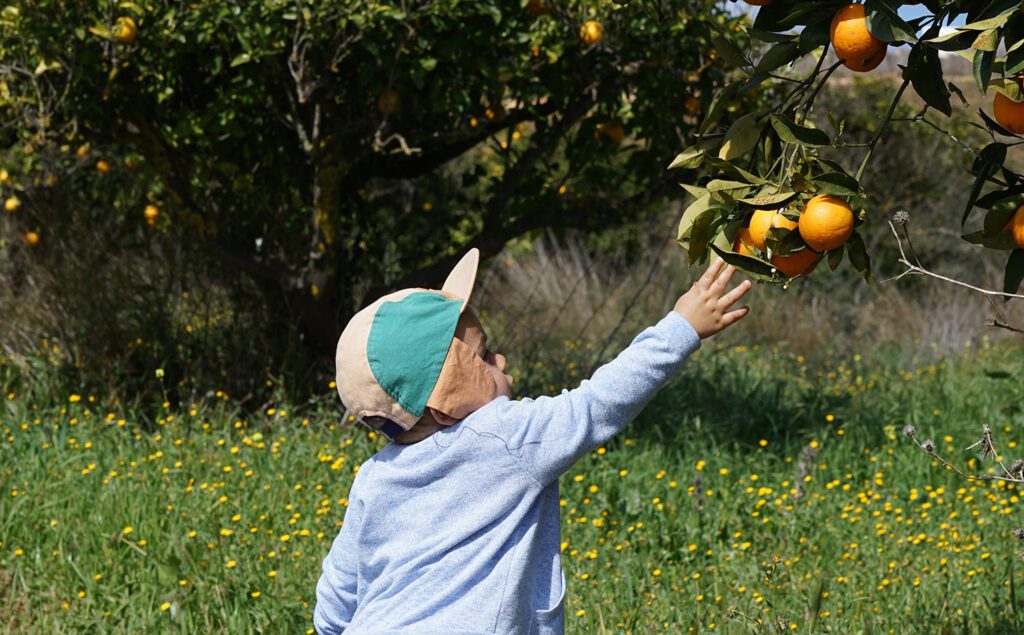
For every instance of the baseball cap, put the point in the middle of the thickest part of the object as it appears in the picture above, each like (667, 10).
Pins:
(399, 355)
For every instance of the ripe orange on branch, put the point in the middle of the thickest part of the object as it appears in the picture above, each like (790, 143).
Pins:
(591, 32)
(151, 213)
(1008, 113)
(1016, 226)
(124, 30)
(796, 264)
(764, 220)
(744, 243)
(12, 204)
(826, 222)
(31, 239)
(610, 130)
(538, 7)
(853, 42)
(387, 102)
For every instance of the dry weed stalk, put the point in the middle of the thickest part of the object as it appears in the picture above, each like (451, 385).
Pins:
(902, 217)
(987, 447)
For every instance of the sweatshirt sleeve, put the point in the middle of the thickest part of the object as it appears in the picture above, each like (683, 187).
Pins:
(336, 589)
(552, 433)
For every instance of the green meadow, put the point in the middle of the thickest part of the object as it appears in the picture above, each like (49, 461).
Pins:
(758, 492)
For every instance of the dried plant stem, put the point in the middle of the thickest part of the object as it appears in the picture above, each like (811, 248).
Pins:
(917, 269)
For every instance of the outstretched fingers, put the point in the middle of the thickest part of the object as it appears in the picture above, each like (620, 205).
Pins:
(722, 280)
(733, 296)
(711, 273)
(732, 317)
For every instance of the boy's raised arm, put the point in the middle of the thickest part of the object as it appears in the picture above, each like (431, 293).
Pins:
(552, 433)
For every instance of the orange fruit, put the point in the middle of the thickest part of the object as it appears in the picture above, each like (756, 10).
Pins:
(611, 130)
(826, 222)
(538, 7)
(387, 103)
(5, 176)
(799, 263)
(692, 105)
(1009, 114)
(151, 212)
(32, 239)
(853, 43)
(743, 243)
(1016, 226)
(124, 30)
(103, 166)
(763, 220)
(12, 204)
(591, 32)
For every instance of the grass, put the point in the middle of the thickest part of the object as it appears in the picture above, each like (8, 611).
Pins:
(756, 493)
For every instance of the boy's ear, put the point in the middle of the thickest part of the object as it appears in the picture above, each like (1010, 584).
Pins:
(441, 417)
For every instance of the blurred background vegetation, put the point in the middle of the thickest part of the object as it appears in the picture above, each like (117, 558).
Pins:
(215, 192)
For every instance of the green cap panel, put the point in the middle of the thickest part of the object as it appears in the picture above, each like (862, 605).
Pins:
(408, 343)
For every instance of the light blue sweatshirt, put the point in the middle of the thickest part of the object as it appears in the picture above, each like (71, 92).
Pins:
(460, 532)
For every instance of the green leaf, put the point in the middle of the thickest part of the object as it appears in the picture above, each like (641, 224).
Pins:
(991, 23)
(717, 104)
(741, 137)
(768, 36)
(1002, 241)
(835, 257)
(768, 201)
(998, 196)
(241, 58)
(700, 234)
(748, 264)
(689, 158)
(858, 254)
(778, 55)
(694, 190)
(836, 183)
(1009, 86)
(728, 51)
(989, 160)
(725, 237)
(885, 24)
(695, 209)
(793, 133)
(954, 41)
(983, 68)
(925, 72)
(986, 40)
(1014, 273)
(733, 170)
(996, 220)
(726, 191)
(428, 63)
(814, 36)
(993, 124)
(1014, 61)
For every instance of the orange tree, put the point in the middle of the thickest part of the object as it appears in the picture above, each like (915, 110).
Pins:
(327, 152)
(771, 204)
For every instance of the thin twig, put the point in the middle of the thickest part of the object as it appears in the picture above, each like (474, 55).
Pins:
(916, 269)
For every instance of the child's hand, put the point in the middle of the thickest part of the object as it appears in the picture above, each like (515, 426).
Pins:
(705, 307)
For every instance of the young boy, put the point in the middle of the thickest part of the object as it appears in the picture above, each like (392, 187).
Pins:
(454, 527)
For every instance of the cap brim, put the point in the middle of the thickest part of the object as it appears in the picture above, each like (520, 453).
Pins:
(460, 281)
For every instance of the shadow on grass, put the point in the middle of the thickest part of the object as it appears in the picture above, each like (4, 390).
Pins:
(722, 402)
